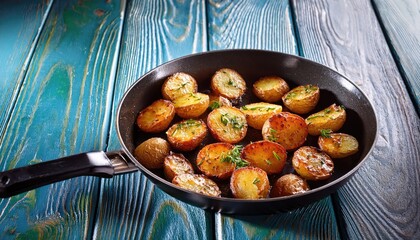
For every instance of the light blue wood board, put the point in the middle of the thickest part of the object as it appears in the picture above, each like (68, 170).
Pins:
(20, 22)
(382, 200)
(130, 206)
(265, 25)
(62, 108)
(401, 22)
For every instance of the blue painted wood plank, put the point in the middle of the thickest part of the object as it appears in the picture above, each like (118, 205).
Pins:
(382, 200)
(130, 206)
(265, 25)
(62, 108)
(400, 19)
(20, 24)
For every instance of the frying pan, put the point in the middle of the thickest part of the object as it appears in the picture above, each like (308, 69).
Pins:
(251, 64)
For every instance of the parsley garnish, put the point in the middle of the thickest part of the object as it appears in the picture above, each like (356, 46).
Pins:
(214, 105)
(234, 156)
(186, 123)
(226, 119)
(326, 133)
(256, 180)
(276, 156)
(272, 137)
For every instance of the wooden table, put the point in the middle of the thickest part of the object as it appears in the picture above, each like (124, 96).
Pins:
(65, 65)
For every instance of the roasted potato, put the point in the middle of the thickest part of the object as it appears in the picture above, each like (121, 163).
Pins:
(227, 124)
(289, 184)
(210, 160)
(156, 117)
(217, 101)
(197, 183)
(338, 145)
(228, 83)
(312, 163)
(301, 99)
(270, 89)
(191, 105)
(269, 156)
(176, 164)
(177, 85)
(288, 129)
(249, 183)
(257, 113)
(152, 152)
(333, 118)
(187, 134)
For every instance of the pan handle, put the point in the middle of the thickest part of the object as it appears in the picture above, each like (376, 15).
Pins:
(100, 164)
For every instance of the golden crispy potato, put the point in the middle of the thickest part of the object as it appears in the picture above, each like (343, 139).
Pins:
(152, 152)
(210, 160)
(333, 118)
(288, 129)
(269, 156)
(270, 89)
(227, 124)
(217, 101)
(177, 85)
(338, 145)
(156, 117)
(257, 113)
(191, 105)
(228, 83)
(249, 183)
(289, 184)
(312, 164)
(187, 134)
(176, 164)
(302, 99)
(197, 183)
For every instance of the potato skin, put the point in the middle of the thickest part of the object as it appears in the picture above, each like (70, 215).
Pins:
(312, 164)
(156, 117)
(177, 85)
(287, 129)
(197, 183)
(338, 145)
(249, 183)
(289, 184)
(270, 89)
(257, 113)
(152, 152)
(187, 134)
(266, 155)
(302, 99)
(176, 164)
(227, 124)
(209, 160)
(228, 83)
(332, 117)
(191, 105)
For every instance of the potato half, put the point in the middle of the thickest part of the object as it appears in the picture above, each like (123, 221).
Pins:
(338, 145)
(156, 117)
(178, 84)
(176, 164)
(257, 113)
(332, 117)
(191, 105)
(228, 83)
(249, 183)
(197, 183)
(312, 163)
(269, 156)
(210, 160)
(187, 134)
(302, 99)
(289, 184)
(270, 88)
(227, 124)
(152, 152)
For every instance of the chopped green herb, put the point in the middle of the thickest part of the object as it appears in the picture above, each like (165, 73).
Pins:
(272, 137)
(182, 85)
(326, 133)
(276, 156)
(310, 88)
(186, 123)
(214, 105)
(290, 95)
(226, 119)
(268, 161)
(234, 156)
(256, 180)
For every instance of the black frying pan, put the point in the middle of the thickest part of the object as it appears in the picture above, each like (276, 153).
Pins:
(251, 64)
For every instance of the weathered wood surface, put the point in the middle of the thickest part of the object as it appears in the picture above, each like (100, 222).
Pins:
(401, 22)
(382, 200)
(62, 108)
(130, 206)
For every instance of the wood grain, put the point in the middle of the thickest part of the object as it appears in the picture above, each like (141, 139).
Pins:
(61, 109)
(130, 206)
(265, 25)
(382, 200)
(20, 24)
(400, 19)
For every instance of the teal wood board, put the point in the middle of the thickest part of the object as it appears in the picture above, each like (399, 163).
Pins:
(62, 108)
(20, 22)
(350, 41)
(130, 206)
